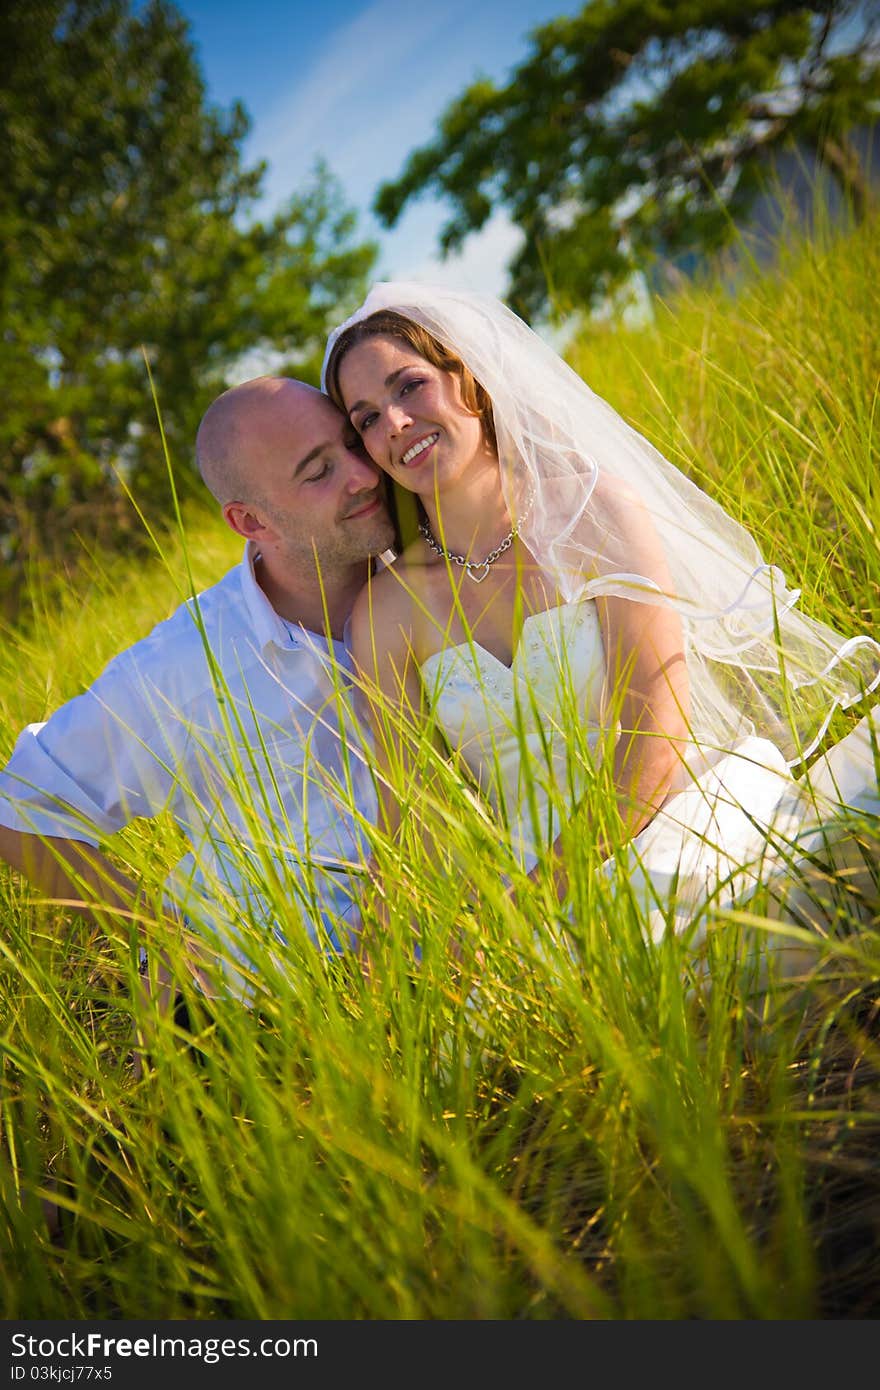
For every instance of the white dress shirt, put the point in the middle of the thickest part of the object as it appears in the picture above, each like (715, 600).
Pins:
(242, 726)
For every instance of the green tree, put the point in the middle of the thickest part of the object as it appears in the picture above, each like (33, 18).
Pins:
(640, 128)
(127, 218)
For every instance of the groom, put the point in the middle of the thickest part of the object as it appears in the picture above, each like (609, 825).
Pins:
(232, 714)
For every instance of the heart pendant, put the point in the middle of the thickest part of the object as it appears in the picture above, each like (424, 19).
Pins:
(473, 574)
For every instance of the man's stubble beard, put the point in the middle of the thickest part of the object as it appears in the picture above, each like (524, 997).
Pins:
(328, 555)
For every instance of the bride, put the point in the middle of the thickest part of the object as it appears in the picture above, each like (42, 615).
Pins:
(561, 561)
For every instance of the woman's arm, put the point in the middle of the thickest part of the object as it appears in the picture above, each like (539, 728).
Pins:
(387, 666)
(646, 676)
(647, 669)
(385, 661)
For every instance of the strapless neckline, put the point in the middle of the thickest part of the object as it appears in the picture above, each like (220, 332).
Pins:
(505, 722)
(478, 649)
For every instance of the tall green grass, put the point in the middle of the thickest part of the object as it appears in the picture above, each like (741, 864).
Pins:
(528, 1132)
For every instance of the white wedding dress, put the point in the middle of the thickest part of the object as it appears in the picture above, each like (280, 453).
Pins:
(739, 820)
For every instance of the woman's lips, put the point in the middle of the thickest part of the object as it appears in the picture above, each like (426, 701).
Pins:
(418, 451)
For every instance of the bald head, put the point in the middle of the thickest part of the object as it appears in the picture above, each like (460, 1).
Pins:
(232, 438)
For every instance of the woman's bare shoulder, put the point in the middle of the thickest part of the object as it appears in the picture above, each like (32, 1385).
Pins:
(385, 606)
(399, 584)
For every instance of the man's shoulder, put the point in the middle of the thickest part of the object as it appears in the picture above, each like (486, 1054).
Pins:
(176, 649)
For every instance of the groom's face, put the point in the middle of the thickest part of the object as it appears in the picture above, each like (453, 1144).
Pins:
(316, 493)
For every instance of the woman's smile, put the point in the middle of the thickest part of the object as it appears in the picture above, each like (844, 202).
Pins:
(418, 452)
(409, 414)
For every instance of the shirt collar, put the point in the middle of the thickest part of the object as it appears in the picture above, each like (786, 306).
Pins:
(267, 625)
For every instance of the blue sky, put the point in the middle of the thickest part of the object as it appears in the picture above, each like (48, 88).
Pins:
(362, 82)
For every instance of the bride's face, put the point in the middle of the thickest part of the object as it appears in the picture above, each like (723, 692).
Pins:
(410, 414)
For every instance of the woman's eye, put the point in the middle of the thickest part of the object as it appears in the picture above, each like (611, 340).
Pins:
(366, 421)
(410, 385)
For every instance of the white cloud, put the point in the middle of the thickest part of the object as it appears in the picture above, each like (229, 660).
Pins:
(480, 265)
(375, 93)
(376, 88)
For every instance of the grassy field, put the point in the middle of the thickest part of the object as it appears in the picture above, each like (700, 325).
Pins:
(554, 1134)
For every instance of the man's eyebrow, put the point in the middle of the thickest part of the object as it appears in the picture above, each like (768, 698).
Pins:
(304, 462)
(389, 381)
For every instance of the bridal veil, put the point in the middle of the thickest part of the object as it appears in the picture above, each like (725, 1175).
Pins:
(756, 663)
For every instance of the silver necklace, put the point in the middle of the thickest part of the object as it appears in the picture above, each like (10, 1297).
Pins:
(477, 569)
